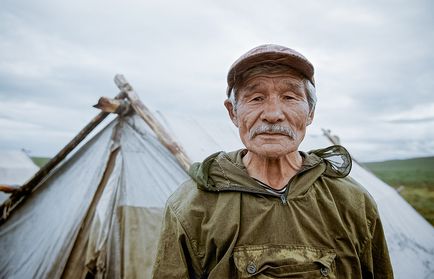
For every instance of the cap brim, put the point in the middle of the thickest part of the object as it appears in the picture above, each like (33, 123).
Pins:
(294, 60)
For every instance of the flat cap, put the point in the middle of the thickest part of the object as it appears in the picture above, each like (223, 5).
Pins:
(269, 53)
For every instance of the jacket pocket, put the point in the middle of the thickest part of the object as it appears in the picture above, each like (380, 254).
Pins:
(284, 261)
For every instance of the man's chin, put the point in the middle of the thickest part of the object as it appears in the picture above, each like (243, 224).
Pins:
(271, 152)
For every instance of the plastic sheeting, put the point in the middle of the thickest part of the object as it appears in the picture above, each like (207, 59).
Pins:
(15, 169)
(35, 241)
(121, 240)
(125, 233)
(201, 138)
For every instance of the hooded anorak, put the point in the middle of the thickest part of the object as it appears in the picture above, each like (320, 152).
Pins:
(223, 224)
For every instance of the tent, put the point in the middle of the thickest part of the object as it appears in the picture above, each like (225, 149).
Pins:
(15, 169)
(97, 211)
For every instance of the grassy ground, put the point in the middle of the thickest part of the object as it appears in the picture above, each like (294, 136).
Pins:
(415, 180)
(40, 161)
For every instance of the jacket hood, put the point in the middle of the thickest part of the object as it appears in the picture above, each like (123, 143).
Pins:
(226, 172)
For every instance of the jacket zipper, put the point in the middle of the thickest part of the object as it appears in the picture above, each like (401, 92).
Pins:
(283, 197)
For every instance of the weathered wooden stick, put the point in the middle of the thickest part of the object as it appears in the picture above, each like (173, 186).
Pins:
(121, 107)
(337, 141)
(8, 188)
(21, 193)
(333, 138)
(153, 123)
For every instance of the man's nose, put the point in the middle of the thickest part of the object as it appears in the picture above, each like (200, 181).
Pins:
(272, 111)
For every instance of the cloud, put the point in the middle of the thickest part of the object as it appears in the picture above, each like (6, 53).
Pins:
(419, 113)
(426, 119)
(372, 60)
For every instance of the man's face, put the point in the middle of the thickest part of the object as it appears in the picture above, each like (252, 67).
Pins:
(272, 114)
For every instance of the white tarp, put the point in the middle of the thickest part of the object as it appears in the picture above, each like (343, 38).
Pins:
(130, 209)
(39, 235)
(15, 169)
(36, 239)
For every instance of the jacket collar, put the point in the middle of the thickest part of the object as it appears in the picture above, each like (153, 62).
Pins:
(226, 172)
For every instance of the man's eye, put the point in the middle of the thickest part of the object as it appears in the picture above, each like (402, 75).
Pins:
(257, 99)
(287, 97)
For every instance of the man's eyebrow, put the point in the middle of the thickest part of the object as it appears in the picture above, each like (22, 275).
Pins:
(295, 87)
(252, 86)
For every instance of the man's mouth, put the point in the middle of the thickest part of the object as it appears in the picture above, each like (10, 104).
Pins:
(272, 134)
(275, 129)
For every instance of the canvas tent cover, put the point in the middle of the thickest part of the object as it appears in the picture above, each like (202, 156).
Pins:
(15, 168)
(102, 207)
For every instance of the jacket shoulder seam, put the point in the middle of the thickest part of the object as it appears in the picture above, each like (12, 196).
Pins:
(223, 172)
(371, 228)
(193, 243)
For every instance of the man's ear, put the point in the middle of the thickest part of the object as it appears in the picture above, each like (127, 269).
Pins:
(230, 107)
(310, 117)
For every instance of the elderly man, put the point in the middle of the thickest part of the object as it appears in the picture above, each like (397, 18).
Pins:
(270, 210)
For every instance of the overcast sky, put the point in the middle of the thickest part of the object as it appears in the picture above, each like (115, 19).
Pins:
(374, 64)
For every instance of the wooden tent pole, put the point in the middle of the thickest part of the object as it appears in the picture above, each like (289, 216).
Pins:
(334, 139)
(162, 135)
(8, 188)
(22, 193)
(127, 91)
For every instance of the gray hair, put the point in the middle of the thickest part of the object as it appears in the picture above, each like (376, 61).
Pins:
(273, 68)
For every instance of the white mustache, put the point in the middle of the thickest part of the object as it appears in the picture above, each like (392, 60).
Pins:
(272, 129)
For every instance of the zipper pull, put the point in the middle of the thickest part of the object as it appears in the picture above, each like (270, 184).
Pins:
(283, 198)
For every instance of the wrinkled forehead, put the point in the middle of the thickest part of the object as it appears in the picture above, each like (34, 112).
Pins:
(267, 69)
(285, 81)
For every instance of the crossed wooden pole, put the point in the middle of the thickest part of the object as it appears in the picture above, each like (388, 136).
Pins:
(123, 103)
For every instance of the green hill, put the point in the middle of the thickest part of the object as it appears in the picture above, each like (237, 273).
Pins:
(414, 178)
(40, 161)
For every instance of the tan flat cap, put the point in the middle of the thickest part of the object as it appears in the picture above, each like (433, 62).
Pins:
(269, 53)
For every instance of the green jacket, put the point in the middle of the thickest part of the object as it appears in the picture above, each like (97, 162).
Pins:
(223, 224)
